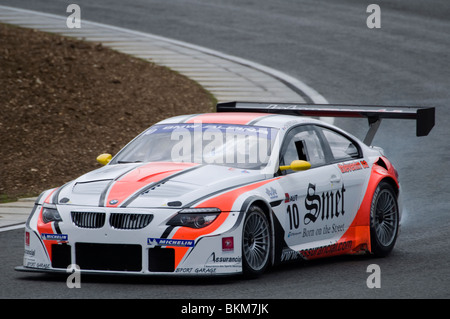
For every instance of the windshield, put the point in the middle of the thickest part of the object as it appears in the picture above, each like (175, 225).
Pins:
(239, 146)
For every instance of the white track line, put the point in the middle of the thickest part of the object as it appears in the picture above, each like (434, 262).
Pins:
(12, 227)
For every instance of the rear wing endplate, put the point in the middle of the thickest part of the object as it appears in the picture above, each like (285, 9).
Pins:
(424, 116)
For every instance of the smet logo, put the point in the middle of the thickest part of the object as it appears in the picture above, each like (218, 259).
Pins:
(325, 205)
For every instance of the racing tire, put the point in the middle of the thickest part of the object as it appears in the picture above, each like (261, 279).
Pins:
(384, 220)
(256, 243)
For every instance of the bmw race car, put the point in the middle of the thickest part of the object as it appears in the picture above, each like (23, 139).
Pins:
(237, 191)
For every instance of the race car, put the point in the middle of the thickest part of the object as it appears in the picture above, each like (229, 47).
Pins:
(233, 192)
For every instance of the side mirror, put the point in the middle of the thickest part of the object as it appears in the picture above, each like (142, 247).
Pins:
(297, 165)
(104, 158)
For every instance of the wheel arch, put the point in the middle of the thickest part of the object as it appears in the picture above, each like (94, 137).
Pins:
(382, 171)
(258, 201)
(392, 182)
(389, 175)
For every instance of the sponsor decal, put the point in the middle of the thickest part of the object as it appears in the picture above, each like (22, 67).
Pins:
(289, 198)
(353, 166)
(288, 254)
(326, 250)
(30, 252)
(63, 237)
(272, 193)
(308, 232)
(205, 270)
(212, 259)
(170, 242)
(325, 205)
(184, 270)
(198, 270)
(27, 238)
(33, 264)
(227, 244)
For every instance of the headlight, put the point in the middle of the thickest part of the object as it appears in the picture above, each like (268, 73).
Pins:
(50, 214)
(195, 217)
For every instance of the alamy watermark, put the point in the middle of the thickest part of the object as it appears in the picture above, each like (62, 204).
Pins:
(238, 146)
(373, 21)
(374, 18)
(74, 19)
(74, 279)
(374, 279)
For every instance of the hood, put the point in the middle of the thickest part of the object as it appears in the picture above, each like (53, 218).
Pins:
(152, 185)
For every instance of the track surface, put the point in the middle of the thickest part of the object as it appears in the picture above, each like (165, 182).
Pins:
(327, 45)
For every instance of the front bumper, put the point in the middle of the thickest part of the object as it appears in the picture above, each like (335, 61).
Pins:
(156, 249)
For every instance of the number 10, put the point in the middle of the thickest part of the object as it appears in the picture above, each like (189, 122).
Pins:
(294, 217)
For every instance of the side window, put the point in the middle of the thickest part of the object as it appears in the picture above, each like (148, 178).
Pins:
(341, 147)
(303, 144)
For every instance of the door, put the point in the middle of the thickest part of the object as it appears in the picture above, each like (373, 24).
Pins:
(355, 171)
(314, 199)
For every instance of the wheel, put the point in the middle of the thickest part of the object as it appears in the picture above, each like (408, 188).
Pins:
(255, 242)
(384, 220)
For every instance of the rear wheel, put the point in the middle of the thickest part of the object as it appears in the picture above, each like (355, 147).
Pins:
(384, 220)
(255, 242)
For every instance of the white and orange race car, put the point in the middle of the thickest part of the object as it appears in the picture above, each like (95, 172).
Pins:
(235, 191)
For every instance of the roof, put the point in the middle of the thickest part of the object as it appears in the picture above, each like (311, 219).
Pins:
(242, 118)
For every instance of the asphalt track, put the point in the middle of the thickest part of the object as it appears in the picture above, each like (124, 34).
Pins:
(327, 45)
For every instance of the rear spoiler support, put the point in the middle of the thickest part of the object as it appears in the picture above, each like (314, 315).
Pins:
(424, 116)
(374, 124)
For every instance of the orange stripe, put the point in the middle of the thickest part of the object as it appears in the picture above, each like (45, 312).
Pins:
(226, 118)
(140, 177)
(47, 199)
(359, 231)
(44, 228)
(225, 203)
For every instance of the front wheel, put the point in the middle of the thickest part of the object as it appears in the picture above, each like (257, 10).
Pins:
(384, 220)
(255, 242)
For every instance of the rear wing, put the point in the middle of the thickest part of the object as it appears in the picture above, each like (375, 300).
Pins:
(424, 116)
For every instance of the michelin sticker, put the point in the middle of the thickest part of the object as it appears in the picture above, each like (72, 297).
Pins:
(170, 242)
(54, 237)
